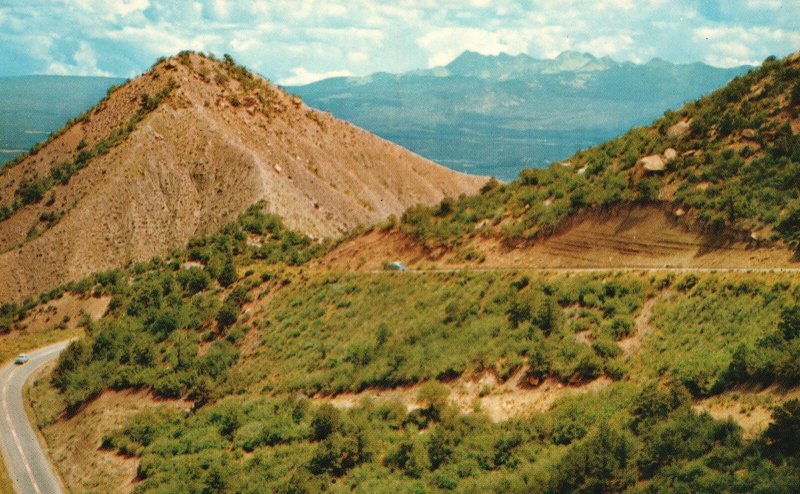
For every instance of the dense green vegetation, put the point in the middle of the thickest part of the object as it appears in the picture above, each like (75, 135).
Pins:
(182, 333)
(720, 333)
(162, 312)
(623, 440)
(737, 169)
(463, 324)
(498, 322)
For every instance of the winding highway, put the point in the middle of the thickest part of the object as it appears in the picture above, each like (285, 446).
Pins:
(25, 460)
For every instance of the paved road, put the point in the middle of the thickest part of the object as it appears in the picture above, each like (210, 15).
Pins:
(25, 460)
(523, 269)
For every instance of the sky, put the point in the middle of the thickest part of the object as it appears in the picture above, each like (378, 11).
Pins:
(299, 41)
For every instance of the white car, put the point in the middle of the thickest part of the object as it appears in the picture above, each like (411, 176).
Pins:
(21, 359)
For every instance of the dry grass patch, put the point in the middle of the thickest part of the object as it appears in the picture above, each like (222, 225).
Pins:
(75, 442)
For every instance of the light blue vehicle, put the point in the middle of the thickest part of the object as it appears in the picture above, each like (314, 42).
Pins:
(396, 266)
(21, 359)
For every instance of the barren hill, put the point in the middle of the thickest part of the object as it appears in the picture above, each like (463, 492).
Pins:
(180, 151)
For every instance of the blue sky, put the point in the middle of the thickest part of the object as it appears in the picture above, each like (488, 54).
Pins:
(298, 41)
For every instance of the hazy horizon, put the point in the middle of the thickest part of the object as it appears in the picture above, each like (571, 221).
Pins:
(300, 42)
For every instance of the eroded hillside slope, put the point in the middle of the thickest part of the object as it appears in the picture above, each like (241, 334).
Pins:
(712, 185)
(180, 151)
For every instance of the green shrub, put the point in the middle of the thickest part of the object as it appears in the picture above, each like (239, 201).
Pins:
(604, 462)
(193, 280)
(783, 434)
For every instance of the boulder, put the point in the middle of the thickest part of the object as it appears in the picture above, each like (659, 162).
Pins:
(749, 134)
(678, 130)
(653, 163)
(567, 164)
(670, 154)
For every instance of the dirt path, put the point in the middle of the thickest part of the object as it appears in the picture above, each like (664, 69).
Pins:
(643, 328)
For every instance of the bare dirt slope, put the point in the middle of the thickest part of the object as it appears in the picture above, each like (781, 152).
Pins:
(220, 141)
(636, 237)
(499, 400)
(75, 443)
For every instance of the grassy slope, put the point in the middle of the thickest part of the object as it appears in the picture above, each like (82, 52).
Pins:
(322, 332)
(737, 170)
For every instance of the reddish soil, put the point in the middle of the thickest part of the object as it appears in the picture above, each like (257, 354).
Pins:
(638, 237)
(65, 312)
(74, 443)
(211, 149)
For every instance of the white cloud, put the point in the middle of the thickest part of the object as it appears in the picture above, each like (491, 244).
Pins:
(112, 10)
(364, 36)
(443, 45)
(351, 33)
(301, 75)
(357, 56)
(221, 8)
(607, 45)
(85, 63)
(329, 9)
(614, 4)
(727, 46)
(764, 4)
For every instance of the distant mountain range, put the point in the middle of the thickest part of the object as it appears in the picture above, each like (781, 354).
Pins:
(33, 106)
(494, 115)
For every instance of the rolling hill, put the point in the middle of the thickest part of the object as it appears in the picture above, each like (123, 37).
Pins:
(494, 115)
(713, 184)
(178, 152)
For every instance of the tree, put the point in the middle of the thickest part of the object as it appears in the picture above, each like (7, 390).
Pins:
(656, 402)
(783, 433)
(228, 274)
(795, 97)
(787, 370)
(325, 422)
(602, 463)
(193, 280)
(536, 307)
(789, 324)
(341, 451)
(433, 396)
(410, 456)
(440, 444)
(31, 191)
